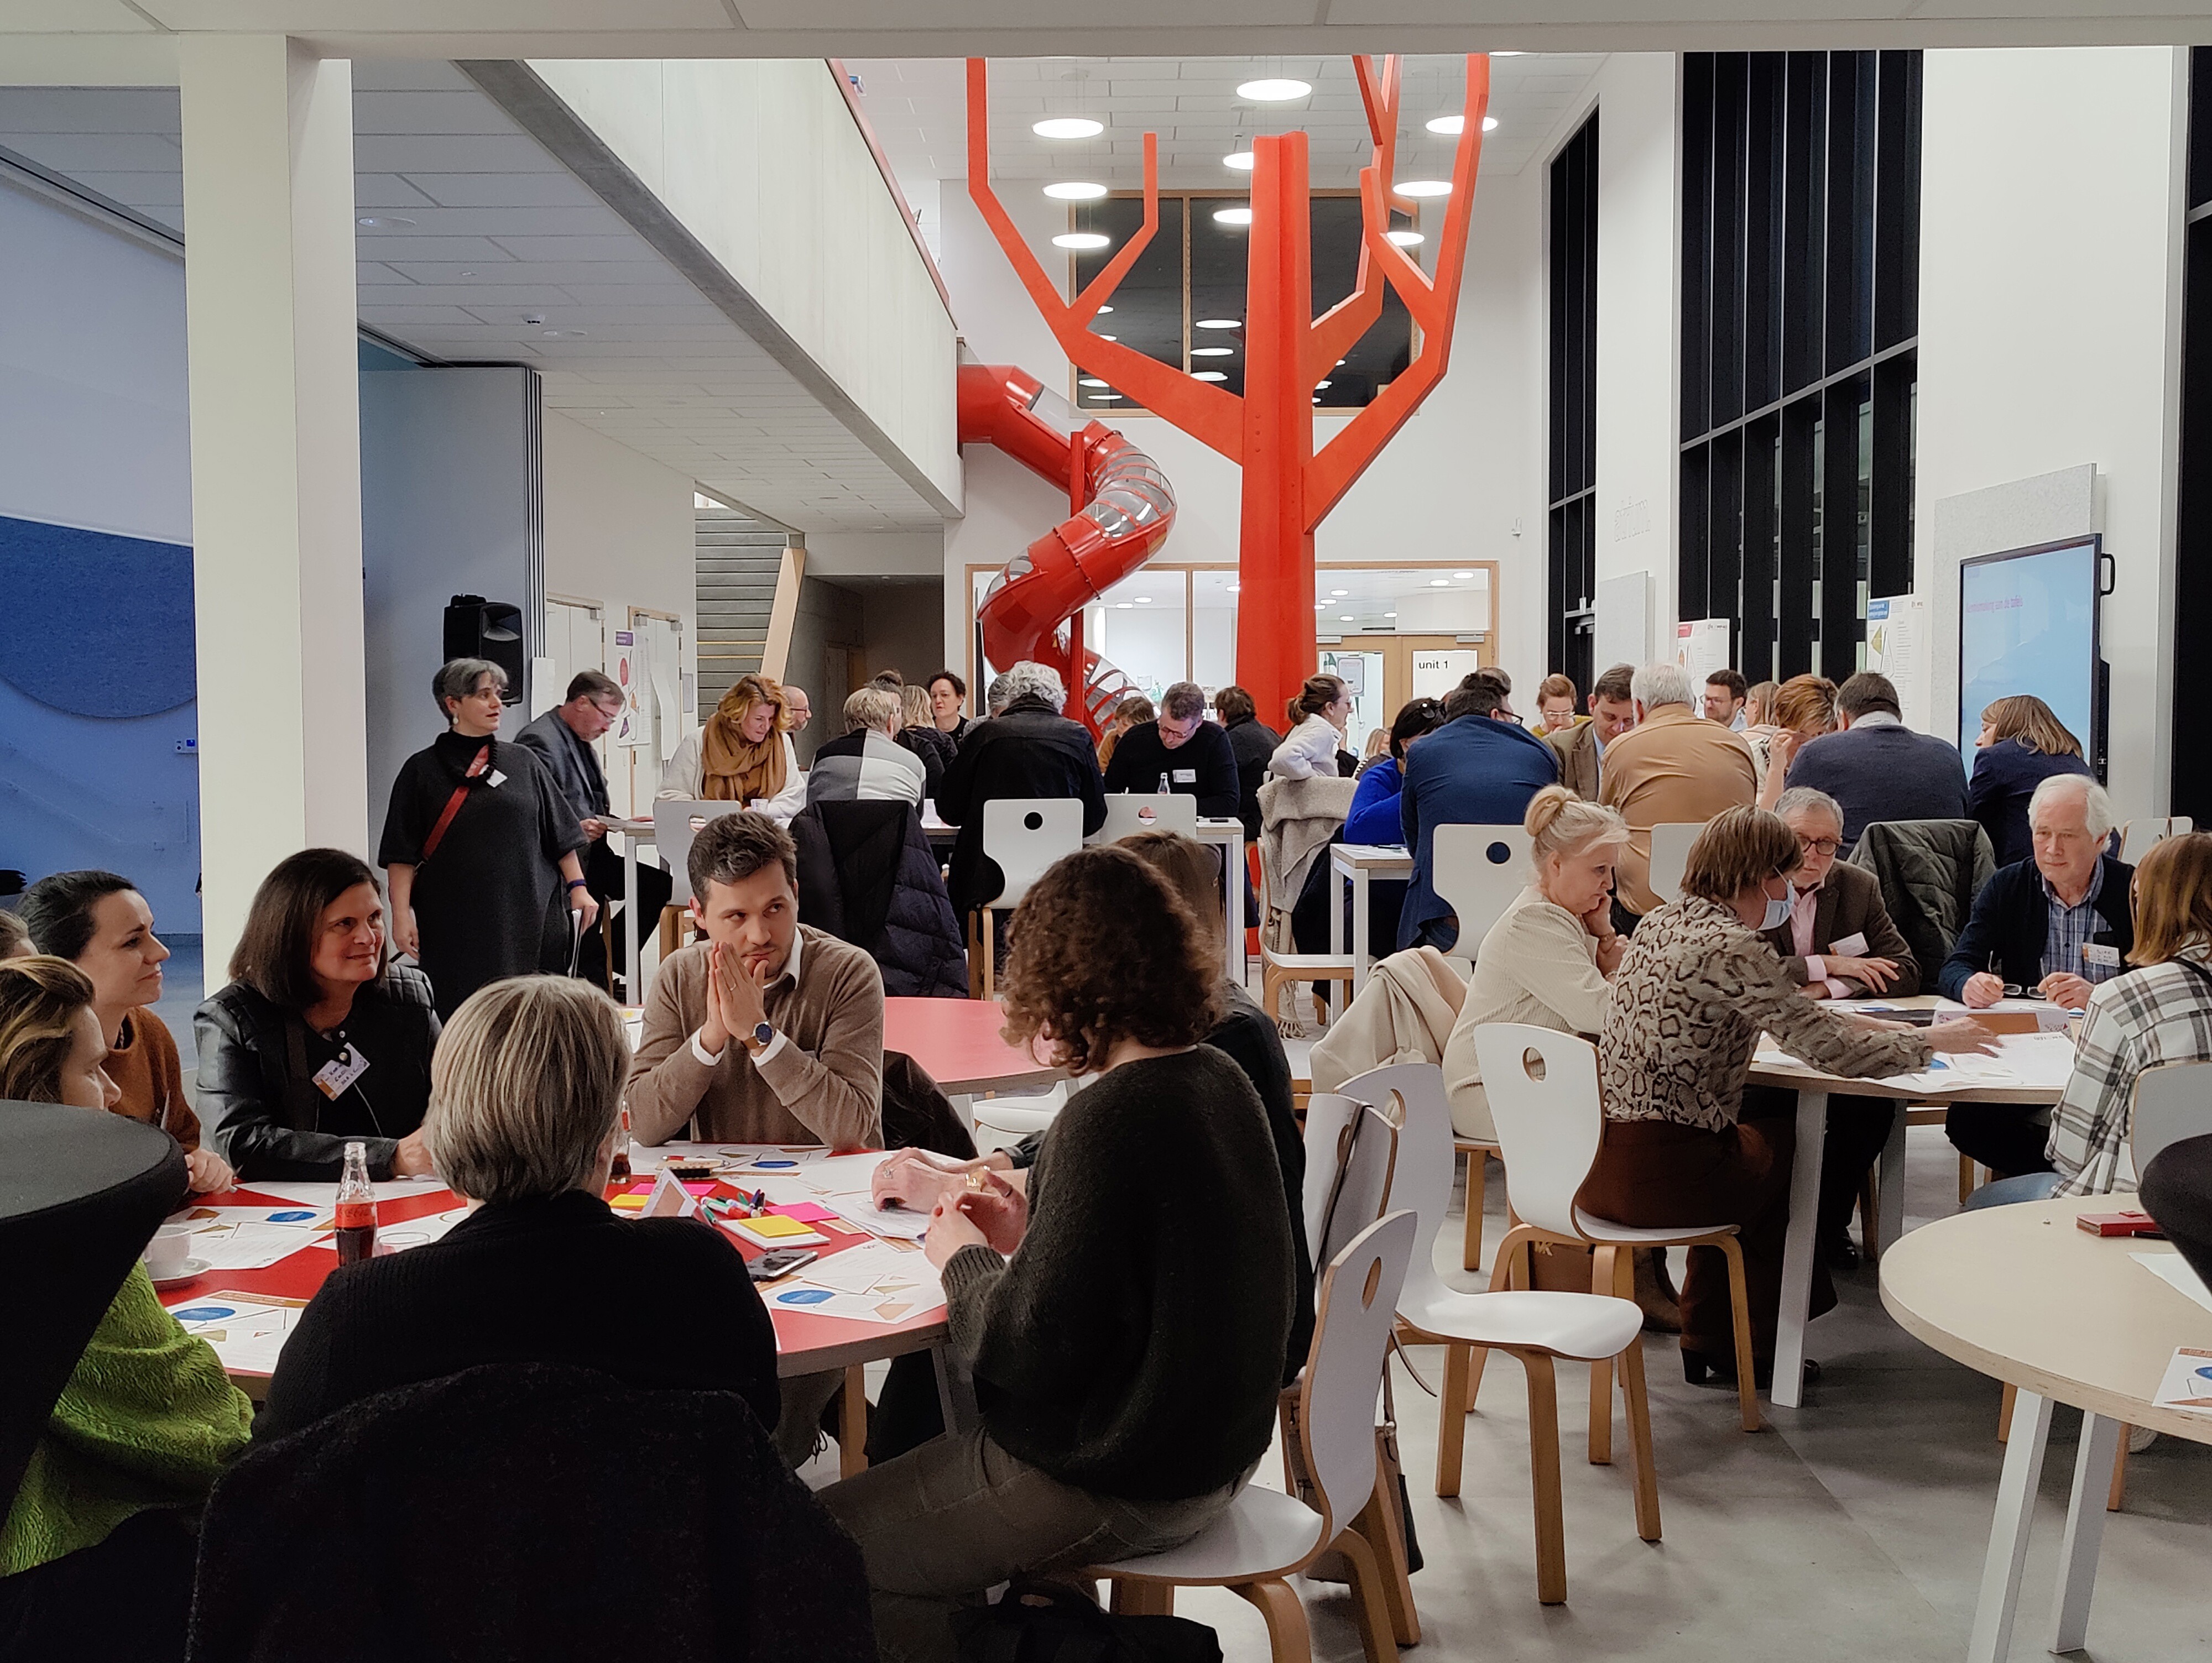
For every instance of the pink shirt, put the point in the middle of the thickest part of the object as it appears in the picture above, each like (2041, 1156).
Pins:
(1803, 903)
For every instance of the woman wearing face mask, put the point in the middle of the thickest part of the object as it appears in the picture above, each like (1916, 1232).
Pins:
(742, 754)
(1695, 988)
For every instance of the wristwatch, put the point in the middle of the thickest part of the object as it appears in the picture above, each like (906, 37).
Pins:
(759, 1038)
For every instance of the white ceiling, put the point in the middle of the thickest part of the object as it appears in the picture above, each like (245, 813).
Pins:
(481, 230)
(918, 109)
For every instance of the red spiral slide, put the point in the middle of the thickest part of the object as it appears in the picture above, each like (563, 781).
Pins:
(1124, 509)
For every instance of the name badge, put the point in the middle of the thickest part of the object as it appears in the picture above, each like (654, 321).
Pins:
(334, 1076)
(2102, 955)
(495, 778)
(1851, 946)
(1185, 776)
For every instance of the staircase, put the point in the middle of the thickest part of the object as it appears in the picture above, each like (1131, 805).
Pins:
(738, 560)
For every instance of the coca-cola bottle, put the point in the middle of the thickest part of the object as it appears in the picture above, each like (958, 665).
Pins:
(357, 1221)
(621, 1168)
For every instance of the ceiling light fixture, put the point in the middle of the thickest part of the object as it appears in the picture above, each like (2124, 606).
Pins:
(1068, 127)
(1091, 381)
(1103, 397)
(1389, 614)
(1490, 122)
(1463, 576)
(1103, 310)
(1424, 187)
(1344, 618)
(1081, 239)
(1398, 238)
(1212, 352)
(380, 222)
(1103, 335)
(1208, 376)
(1075, 190)
(1338, 594)
(1274, 90)
(1232, 217)
(1449, 126)
(1318, 385)
(1242, 161)
(1144, 600)
(1439, 583)
(1219, 322)
(1120, 606)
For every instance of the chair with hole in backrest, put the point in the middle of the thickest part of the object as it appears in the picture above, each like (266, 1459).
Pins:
(1129, 813)
(1670, 853)
(1478, 871)
(2140, 835)
(1544, 1098)
(2172, 1102)
(1534, 1328)
(1267, 1537)
(1023, 836)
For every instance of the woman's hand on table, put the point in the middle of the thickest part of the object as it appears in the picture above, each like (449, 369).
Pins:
(411, 1159)
(950, 1229)
(207, 1172)
(1964, 1036)
(1874, 974)
(914, 1178)
(995, 1207)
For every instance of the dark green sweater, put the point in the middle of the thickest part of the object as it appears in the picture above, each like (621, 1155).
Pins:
(1133, 1346)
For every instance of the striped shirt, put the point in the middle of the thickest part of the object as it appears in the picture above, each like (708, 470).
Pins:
(2161, 1013)
(2072, 928)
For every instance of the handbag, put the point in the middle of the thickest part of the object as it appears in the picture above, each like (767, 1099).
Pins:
(476, 767)
(1047, 1623)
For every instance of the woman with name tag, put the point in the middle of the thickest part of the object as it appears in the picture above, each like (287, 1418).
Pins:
(319, 1039)
(484, 853)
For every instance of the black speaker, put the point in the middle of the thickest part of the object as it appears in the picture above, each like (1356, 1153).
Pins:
(480, 629)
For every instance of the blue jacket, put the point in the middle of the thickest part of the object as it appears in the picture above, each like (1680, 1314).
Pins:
(2006, 775)
(1884, 773)
(1474, 771)
(2011, 920)
(1374, 816)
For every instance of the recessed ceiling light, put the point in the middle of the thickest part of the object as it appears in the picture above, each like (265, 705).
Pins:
(1232, 217)
(1274, 91)
(1103, 397)
(1242, 161)
(1092, 381)
(1344, 618)
(1212, 352)
(1490, 122)
(1081, 239)
(1068, 127)
(1103, 335)
(1144, 600)
(1103, 310)
(1234, 587)
(380, 221)
(1508, 54)
(1338, 594)
(1448, 125)
(1399, 239)
(1075, 190)
(1120, 606)
(1219, 322)
(1439, 583)
(1389, 614)
(1463, 576)
(1318, 385)
(1208, 376)
(1425, 187)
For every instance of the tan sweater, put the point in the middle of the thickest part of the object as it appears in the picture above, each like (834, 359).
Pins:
(145, 1067)
(1675, 768)
(823, 1084)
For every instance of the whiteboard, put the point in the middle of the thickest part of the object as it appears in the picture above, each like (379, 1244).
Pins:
(1624, 620)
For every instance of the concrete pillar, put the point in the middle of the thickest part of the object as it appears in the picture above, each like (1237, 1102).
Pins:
(271, 327)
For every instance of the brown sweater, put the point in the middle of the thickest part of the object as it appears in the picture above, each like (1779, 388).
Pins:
(823, 1086)
(144, 1066)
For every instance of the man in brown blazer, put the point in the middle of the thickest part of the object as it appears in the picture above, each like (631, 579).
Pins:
(1838, 942)
(1612, 712)
(1674, 769)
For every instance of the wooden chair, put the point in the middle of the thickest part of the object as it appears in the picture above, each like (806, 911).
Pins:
(1550, 1120)
(1266, 1536)
(1536, 1328)
(1277, 968)
(1023, 836)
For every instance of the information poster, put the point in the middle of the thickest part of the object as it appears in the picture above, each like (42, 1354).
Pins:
(1895, 647)
(632, 728)
(1702, 647)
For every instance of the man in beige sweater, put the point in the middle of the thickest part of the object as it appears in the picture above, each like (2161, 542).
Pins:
(1673, 768)
(767, 1032)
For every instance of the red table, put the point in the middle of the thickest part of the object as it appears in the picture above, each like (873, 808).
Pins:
(958, 1041)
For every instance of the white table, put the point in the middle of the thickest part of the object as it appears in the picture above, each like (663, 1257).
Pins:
(1814, 1089)
(2021, 1294)
(634, 832)
(1357, 863)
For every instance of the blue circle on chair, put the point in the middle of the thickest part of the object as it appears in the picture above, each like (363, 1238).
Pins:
(1497, 855)
(1032, 820)
(804, 1296)
(204, 1312)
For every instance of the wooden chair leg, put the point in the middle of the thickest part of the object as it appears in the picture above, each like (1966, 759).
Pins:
(1544, 1478)
(853, 1424)
(1477, 1178)
(1135, 1599)
(1451, 1419)
(1383, 1526)
(1638, 1405)
(990, 946)
(1966, 1178)
(1746, 1386)
(1289, 1640)
(2119, 1493)
(1604, 1279)
(1370, 1606)
(2004, 1413)
(1512, 1251)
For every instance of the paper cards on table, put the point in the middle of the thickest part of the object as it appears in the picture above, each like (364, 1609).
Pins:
(246, 1330)
(2188, 1382)
(873, 1283)
(2172, 1268)
(858, 1209)
(250, 1238)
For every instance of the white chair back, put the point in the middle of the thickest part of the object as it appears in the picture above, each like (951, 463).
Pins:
(1129, 813)
(2139, 836)
(2172, 1101)
(1328, 1114)
(1360, 1291)
(1476, 870)
(675, 823)
(1412, 1095)
(1548, 1120)
(1670, 853)
(1361, 1164)
(1025, 834)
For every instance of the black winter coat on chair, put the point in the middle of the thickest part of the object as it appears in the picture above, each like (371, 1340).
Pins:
(867, 875)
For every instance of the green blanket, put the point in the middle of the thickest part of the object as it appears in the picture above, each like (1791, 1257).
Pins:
(148, 1419)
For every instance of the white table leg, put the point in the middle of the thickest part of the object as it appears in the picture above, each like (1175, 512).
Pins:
(1233, 907)
(1891, 1184)
(2001, 1570)
(631, 990)
(2085, 1529)
(1358, 930)
(1799, 1247)
(1335, 902)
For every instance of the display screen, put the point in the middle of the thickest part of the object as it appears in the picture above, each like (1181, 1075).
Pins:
(2027, 623)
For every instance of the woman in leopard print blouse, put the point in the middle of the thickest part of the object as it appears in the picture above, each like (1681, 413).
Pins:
(1695, 988)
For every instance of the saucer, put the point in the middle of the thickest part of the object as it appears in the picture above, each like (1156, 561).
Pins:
(183, 1273)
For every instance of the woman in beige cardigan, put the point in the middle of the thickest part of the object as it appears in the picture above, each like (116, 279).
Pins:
(1548, 960)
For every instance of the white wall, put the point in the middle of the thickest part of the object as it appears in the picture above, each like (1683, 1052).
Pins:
(762, 162)
(2050, 290)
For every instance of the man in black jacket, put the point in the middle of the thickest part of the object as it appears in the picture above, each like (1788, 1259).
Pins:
(1029, 750)
(2055, 925)
(563, 737)
(1252, 742)
(1191, 755)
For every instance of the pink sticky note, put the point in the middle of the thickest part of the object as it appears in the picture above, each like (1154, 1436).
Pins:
(807, 1212)
(699, 1189)
(645, 1188)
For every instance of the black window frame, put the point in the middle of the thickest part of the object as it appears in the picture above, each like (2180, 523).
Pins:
(1570, 491)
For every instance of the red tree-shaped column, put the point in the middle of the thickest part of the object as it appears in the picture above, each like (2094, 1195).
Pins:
(1288, 488)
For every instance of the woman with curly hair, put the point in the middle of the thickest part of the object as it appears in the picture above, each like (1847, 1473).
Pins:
(1124, 1401)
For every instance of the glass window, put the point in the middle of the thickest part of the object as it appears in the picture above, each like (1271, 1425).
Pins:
(1148, 307)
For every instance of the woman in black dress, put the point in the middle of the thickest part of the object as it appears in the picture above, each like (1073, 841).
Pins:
(480, 848)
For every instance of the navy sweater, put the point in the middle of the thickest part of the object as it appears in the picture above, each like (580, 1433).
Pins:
(2011, 920)
(1884, 773)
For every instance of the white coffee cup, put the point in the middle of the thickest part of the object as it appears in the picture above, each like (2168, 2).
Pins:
(167, 1252)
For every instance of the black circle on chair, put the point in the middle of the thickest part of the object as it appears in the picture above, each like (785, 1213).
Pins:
(1497, 855)
(1032, 820)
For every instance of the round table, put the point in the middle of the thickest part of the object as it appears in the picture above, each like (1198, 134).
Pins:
(958, 1041)
(2024, 1295)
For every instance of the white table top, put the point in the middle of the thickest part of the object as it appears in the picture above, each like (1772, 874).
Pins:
(2022, 1294)
(1371, 857)
(2035, 1087)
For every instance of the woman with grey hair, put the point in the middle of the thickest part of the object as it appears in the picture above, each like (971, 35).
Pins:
(482, 852)
(525, 1091)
